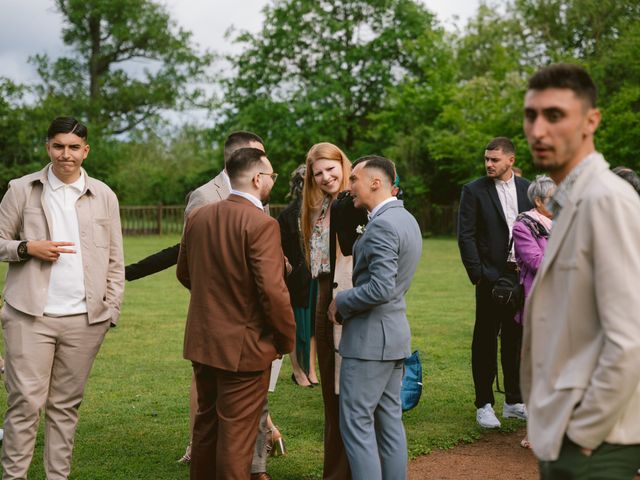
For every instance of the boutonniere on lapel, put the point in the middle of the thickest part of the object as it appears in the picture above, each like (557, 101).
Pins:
(360, 229)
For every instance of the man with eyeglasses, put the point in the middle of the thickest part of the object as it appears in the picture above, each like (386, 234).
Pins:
(239, 321)
(214, 190)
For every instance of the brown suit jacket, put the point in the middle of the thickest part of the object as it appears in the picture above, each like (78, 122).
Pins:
(240, 317)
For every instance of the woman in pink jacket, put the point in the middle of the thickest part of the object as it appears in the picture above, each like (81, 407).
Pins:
(530, 236)
(531, 233)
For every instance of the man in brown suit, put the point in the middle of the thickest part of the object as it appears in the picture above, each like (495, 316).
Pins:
(239, 321)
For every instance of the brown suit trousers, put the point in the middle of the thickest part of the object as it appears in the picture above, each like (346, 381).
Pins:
(223, 445)
(336, 464)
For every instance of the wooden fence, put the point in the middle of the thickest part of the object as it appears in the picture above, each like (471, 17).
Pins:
(168, 219)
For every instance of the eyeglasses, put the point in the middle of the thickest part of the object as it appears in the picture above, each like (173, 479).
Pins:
(274, 175)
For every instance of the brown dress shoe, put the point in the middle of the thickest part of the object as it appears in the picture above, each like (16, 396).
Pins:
(261, 476)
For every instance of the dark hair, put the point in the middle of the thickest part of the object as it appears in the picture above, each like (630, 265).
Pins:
(67, 125)
(236, 140)
(629, 175)
(565, 75)
(381, 163)
(501, 143)
(243, 160)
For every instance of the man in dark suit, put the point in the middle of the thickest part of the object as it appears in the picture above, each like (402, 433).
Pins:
(240, 318)
(488, 208)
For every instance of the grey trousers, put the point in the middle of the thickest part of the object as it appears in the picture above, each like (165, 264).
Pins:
(260, 453)
(371, 419)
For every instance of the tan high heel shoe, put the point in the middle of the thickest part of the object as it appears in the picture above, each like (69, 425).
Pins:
(277, 443)
(186, 458)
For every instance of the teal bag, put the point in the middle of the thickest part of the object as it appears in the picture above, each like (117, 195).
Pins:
(411, 388)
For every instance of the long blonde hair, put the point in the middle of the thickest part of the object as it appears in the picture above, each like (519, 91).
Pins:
(312, 195)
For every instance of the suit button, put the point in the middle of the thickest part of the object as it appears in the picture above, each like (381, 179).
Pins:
(335, 284)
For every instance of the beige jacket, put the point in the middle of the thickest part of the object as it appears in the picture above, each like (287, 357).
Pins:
(24, 216)
(212, 191)
(580, 369)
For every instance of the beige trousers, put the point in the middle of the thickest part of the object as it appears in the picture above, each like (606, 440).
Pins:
(47, 363)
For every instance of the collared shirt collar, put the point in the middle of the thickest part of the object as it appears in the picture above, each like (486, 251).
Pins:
(55, 183)
(561, 195)
(379, 206)
(249, 197)
(506, 183)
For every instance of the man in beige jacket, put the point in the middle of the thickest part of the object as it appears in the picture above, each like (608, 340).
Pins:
(581, 348)
(60, 232)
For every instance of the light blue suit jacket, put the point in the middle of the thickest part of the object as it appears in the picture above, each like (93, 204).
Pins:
(385, 257)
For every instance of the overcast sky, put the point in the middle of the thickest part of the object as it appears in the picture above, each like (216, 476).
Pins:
(33, 26)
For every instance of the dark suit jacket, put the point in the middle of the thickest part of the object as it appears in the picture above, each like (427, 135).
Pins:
(299, 279)
(153, 263)
(483, 234)
(343, 222)
(239, 315)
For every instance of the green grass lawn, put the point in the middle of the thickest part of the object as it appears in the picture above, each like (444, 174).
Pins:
(134, 418)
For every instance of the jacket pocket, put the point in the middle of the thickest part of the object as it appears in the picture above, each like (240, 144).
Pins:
(34, 224)
(101, 232)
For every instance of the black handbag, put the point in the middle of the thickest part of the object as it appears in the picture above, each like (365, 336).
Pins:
(508, 290)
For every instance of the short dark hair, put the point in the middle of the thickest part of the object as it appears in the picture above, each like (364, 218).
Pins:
(381, 163)
(629, 175)
(566, 75)
(501, 143)
(67, 125)
(239, 139)
(243, 160)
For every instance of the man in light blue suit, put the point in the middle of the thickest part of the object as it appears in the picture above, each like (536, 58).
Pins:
(375, 336)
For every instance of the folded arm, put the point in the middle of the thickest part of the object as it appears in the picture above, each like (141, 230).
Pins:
(380, 247)
(526, 247)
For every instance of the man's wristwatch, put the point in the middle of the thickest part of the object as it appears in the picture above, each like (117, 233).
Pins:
(22, 251)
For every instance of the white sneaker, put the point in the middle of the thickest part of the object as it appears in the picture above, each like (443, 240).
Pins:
(1, 435)
(486, 417)
(514, 410)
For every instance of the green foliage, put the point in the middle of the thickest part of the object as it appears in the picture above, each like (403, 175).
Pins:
(372, 76)
(22, 134)
(318, 70)
(97, 81)
(162, 170)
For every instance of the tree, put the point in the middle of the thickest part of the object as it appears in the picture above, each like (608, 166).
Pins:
(319, 69)
(99, 82)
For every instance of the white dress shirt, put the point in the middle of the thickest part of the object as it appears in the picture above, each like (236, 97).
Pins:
(255, 200)
(379, 206)
(66, 295)
(509, 200)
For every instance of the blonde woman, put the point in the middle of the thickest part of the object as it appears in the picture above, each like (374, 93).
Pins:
(328, 170)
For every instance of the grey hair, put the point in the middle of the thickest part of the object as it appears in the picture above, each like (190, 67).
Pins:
(540, 188)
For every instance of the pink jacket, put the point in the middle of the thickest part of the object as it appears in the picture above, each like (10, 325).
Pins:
(529, 251)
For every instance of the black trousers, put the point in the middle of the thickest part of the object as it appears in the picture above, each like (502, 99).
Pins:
(493, 320)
